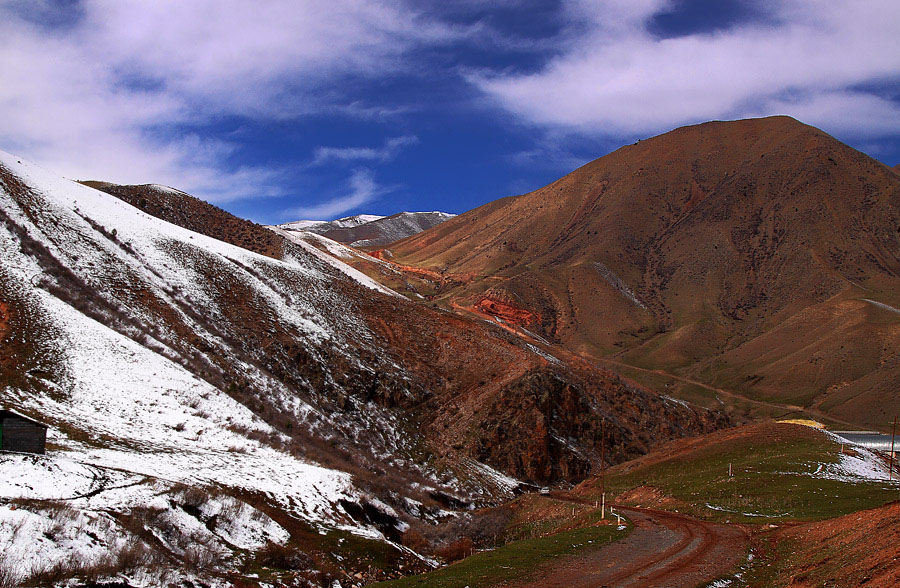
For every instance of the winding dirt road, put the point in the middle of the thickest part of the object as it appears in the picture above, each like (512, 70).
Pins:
(664, 549)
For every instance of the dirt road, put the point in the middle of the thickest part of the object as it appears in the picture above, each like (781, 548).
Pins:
(665, 549)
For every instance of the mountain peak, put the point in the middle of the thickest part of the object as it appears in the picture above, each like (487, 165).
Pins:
(369, 230)
(672, 250)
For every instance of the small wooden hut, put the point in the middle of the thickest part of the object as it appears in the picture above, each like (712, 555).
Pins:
(19, 433)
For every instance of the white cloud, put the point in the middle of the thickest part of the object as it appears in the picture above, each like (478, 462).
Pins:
(615, 78)
(387, 152)
(362, 189)
(106, 97)
(110, 94)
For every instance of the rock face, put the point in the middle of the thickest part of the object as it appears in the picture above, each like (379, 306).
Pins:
(370, 230)
(747, 254)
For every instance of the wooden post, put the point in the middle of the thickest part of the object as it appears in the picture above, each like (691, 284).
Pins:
(602, 467)
(891, 466)
(729, 469)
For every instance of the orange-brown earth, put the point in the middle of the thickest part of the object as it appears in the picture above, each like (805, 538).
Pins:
(663, 550)
(859, 549)
(4, 319)
(475, 390)
(759, 256)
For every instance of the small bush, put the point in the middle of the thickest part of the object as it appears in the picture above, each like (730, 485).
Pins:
(202, 557)
(136, 554)
(457, 550)
(9, 573)
(193, 496)
(283, 557)
(416, 541)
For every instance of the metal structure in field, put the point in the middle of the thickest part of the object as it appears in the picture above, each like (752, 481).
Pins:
(19, 433)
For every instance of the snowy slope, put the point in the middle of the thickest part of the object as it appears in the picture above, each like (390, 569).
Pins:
(368, 230)
(400, 226)
(325, 226)
(105, 308)
(335, 252)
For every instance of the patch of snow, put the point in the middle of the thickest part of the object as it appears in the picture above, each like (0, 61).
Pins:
(864, 466)
(497, 478)
(323, 226)
(676, 401)
(618, 284)
(746, 514)
(882, 305)
(164, 189)
(538, 351)
(402, 225)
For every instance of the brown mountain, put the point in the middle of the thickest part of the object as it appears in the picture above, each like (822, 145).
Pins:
(475, 390)
(757, 256)
(151, 348)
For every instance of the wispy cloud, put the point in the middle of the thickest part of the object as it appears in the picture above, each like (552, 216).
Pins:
(361, 189)
(108, 95)
(615, 78)
(387, 152)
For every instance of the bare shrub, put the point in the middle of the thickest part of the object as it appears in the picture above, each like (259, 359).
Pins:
(74, 567)
(457, 550)
(136, 554)
(283, 557)
(202, 557)
(10, 574)
(193, 496)
(485, 528)
(416, 541)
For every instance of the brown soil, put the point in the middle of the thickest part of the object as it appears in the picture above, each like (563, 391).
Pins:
(860, 549)
(4, 319)
(664, 549)
(736, 254)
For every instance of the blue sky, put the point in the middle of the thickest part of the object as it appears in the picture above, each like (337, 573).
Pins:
(281, 110)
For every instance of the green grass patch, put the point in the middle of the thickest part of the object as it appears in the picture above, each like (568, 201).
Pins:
(773, 479)
(513, 560)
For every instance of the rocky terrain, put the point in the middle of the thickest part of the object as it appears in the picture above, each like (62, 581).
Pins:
(228, 373)
(758, 256)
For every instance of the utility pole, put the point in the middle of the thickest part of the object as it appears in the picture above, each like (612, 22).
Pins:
(602, 466)
(891, 466)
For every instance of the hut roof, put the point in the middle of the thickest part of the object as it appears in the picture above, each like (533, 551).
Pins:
(5, 414)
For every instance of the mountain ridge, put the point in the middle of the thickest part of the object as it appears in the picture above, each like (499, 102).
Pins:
(293, 382)
(675, 250)
(371, 230)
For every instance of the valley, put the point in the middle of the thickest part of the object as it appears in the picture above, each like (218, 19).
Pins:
(593, 384)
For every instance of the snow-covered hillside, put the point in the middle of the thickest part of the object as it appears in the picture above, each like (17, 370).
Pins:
(215, 410)
(366, 230)
(127, 335)
(320, 226)
(400, 226)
